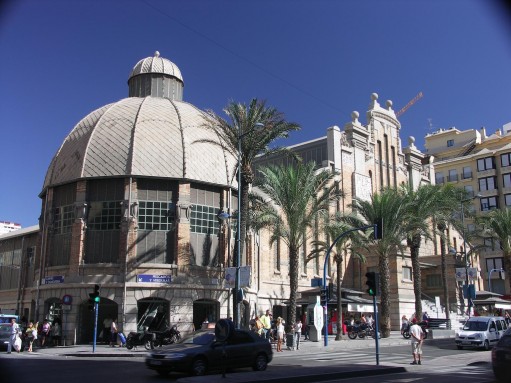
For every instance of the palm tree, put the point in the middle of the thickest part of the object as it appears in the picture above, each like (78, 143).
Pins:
(346, 243)
(388, 208)
(241, 132)
(497, 224)
(423, 204)
(443, 217)
(298, 194)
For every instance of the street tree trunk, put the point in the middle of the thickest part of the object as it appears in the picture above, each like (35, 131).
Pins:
(415, 244)
(441, 228)
(384, 313)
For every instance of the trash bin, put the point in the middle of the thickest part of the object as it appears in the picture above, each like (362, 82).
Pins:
(290, 341)
(314, 335)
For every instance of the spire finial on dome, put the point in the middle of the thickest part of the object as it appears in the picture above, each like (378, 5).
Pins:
(156, 54)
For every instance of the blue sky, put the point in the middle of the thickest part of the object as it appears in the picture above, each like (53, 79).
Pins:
(315, 60)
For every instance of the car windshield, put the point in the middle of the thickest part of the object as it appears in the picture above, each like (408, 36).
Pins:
(199, 337)
(475, 326)
(5, 328)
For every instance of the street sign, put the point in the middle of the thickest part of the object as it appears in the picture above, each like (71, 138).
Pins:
(53, 280)
(67, 299)
(230, 276)
(461, 273)
(151, 278)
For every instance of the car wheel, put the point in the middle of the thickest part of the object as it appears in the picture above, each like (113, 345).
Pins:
(199, 367)
(163, 372)
(260, 363)
(486, 345)
(459, 347)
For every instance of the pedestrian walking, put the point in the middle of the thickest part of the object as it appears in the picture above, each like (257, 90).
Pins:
(266, 321)
(56, 332)
(417, 336)
(31, 333)
(113, 333)
(297, 333)
(13, 340)
(45, 332)
(280, 334)
(107, 323)
(370, 320)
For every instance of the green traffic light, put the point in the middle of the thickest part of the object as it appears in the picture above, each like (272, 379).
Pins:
(96, 299)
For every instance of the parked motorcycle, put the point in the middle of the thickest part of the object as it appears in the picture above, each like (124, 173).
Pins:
(142, 338)
(360, 330)
(406, 329)
(168, 336)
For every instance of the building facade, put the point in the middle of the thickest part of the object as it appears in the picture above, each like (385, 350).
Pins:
(481, 164)
(6, 227)
(130, 202)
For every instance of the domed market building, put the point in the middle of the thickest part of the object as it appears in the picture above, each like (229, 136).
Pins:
(131, 203)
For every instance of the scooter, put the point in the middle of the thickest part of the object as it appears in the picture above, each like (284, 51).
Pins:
(406, 329)
(168, 336)
(143, 338)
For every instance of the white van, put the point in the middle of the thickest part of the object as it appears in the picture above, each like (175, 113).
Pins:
(481, 332)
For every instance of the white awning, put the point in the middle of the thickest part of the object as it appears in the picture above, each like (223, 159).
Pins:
(360, 308)
(504, 306)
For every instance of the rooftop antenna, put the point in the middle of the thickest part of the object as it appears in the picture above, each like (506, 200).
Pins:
(430, 123)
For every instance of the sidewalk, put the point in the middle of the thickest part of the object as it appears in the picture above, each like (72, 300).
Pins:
(140, 352)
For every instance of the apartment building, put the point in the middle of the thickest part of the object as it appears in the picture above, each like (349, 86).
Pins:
(481, 164)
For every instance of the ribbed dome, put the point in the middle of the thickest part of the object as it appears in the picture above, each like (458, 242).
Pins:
(156, 64)
(149, 137)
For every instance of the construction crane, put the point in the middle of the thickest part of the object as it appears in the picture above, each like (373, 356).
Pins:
(410, 103)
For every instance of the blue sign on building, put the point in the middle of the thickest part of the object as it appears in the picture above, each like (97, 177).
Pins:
(150, 278)
(53, 280)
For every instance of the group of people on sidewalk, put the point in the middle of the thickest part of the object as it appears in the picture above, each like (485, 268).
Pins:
(275, 331)
(27, 334)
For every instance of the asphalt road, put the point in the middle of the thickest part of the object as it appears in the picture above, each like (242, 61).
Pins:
(442, 363)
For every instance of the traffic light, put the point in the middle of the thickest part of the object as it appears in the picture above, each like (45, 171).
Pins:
(330, 293)
(95, 295)
(323, 297)
(373, 283)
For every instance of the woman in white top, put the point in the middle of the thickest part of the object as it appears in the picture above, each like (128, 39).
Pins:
(280, 334)
(298, 333)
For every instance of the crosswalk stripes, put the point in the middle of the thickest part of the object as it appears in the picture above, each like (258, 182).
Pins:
(394, 359)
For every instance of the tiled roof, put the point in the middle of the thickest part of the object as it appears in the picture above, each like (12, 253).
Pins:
(149, 137)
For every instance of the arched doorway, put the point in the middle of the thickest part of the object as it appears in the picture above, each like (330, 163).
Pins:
(153, 314)
(107, 309)
(205, 309)
(53, 309)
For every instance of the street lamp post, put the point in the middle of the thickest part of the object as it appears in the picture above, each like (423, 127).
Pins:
(236, 298)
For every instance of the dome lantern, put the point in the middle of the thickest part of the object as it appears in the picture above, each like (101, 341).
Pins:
(156, 77)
